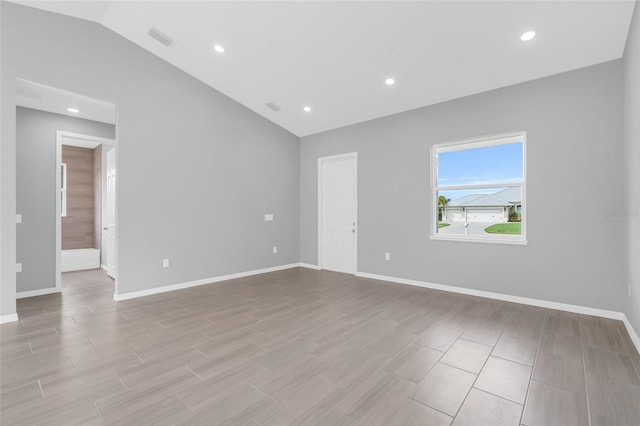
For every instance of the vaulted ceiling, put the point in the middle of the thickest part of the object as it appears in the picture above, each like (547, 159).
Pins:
(334, 57)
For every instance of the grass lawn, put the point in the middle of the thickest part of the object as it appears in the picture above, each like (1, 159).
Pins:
(504, 228)
(442, 225)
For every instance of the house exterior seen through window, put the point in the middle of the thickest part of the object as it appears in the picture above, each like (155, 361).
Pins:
(478, 189)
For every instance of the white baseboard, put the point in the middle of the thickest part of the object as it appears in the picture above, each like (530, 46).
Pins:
(180, 286)
(499, 296)
(40, 292)
(309, 266)
(8, 318)
(103, 267)
(471, 292)
(515, 299)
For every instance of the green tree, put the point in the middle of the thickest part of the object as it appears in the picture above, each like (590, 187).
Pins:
(442, 202)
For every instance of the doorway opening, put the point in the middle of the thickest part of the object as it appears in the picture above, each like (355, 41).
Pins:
(85, 223)
(338, 213)
(66, 189)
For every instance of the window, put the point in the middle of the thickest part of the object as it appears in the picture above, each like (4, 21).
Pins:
(63, 189)
(479, 190)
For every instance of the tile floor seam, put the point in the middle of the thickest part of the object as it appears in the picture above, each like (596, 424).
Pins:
(95, 407)
(202, 379)
(474, 380)
(586, 381)
(434, 408)
(193, 412)
(535, 358)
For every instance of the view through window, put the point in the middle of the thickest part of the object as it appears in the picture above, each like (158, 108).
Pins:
(478, 189)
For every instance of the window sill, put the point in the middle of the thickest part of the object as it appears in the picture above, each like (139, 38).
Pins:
(469, 239)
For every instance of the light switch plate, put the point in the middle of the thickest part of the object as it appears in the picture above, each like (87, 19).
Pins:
(18, 267)
(275, 249)
(268, 217)
(165, 263)
(387, 256)
(18, 218)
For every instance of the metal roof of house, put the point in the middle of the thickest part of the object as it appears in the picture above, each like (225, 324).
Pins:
(504, 198)
(511, 195)
(462, 201)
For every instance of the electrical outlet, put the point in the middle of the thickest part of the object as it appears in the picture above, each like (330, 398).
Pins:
(165, 263)
(387, 256)
(18, 267)
(275, 249)
(268, 217)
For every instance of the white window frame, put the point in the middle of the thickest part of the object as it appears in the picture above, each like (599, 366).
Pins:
(63, 190)
(479, 142)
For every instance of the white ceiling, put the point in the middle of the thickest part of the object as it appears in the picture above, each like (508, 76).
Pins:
(334, 56)
(45, 98)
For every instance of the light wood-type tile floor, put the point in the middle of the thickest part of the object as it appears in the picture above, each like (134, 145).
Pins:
(306, 347)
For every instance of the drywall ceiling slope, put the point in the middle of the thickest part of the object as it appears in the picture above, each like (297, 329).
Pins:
(334, 56)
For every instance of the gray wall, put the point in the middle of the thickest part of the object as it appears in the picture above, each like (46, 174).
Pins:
(36, 190)
(197, 171)
(574, 153)
(632, 138)
(7, 177)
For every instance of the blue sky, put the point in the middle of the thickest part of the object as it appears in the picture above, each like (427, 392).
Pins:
(490, 165)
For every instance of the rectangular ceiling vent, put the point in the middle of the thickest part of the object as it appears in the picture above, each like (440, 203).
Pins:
(273, 106)
(159, 36)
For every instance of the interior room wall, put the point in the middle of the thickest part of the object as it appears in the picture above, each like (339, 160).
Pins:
(196, 170)
(36, 190)
(630, 204)
(78, 226)
(7, 184)
(575, 251)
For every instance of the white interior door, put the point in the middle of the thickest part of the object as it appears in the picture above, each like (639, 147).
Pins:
(110, 216)
(338, 201)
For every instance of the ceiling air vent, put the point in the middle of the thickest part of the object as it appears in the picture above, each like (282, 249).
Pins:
(162, 38)
(273, 106)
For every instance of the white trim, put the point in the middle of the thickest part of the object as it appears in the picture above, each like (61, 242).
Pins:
(188, 284)
(481, 141)
(504, 138)
(82, 141)
(309, 266)
(322, 160)
(481, 186)
(63, 189)
(67, 138)
(58, 247)
(8, 318)
(479, 239)
(499, 296)
(103, 266)
(40, 292)
(620, 316)
(632, 333)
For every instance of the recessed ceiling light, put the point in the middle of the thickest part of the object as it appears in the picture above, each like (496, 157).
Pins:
(307, 109)
(73, 110)
(390, 81)
(529, 35)
(218, 48)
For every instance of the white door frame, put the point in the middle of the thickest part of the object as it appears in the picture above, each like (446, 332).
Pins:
(321, 162)
(86, 141)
